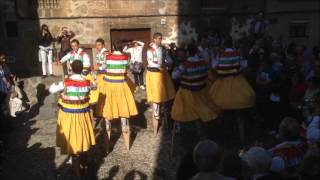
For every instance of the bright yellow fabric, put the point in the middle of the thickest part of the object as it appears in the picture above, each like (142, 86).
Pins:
(232, 92)
(75, 132)
(193, 105)
(94, 94)
(119, 101)
(159, 87)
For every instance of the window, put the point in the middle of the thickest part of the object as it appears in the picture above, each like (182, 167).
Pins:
(12, 29)
(298, 29)
(48, 4)
(213, 4)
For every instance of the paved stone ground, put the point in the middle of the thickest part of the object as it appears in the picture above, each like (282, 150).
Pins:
(32, 153)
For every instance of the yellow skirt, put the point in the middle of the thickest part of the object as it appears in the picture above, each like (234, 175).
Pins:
(94, 94)
(102, 87)
(193, 105)
(232, 92)
(119, 101)
(75, 132)
(159, 87)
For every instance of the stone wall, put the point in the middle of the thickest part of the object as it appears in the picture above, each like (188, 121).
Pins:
(178, 20)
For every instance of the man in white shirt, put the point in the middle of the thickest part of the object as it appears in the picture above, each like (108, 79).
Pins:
(77, 54)
(159, 85)
(136, 63)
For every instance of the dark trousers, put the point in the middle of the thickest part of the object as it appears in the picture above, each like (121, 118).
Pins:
(138, 78)
(4, 122)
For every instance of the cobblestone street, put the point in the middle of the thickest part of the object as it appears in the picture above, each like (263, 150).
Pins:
(32, 152)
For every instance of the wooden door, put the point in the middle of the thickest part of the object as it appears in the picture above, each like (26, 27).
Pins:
(124, 36)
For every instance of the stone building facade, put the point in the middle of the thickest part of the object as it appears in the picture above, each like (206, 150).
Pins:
(178, 20)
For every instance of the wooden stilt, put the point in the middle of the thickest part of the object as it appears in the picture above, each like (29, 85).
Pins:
(165, 121)
(172, 139)
(126, 137)
(155, 123)
(108, 136)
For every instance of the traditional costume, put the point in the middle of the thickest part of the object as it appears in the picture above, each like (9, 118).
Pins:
(98, 78)
(159, 85)
(79, 54)
(231, 90)
(191, 102)
(119, 101)
(74, 131)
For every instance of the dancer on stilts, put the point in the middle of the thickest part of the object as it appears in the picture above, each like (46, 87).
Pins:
(74, 130)
(191, 102)
(98, 74)
(160, 88)
(231, 91)
(119, 101)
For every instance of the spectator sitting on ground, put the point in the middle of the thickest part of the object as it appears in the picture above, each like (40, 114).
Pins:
(16, 104)
(290, 152)
(207, 157)
(259, 161)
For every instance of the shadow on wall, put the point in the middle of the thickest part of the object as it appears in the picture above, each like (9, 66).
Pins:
(19, 36)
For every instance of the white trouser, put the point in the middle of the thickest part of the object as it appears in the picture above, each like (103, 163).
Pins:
(45, 55)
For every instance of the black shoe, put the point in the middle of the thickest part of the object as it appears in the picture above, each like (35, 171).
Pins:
(51, 75)
(44, 76)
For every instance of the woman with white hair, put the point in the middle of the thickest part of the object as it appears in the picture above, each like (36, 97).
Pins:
(259, 161)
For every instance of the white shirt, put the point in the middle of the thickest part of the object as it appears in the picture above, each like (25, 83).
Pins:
(57, 87)
(136, 52)
(76, 56)
(160, 57)
(98, 58)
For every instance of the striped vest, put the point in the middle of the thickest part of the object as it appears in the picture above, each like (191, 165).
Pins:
(76, 56)
(156, 59)
(101, 57)
(75, 98)
(195, 75)
(101, 61)
(117, 66)
(228, 63)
